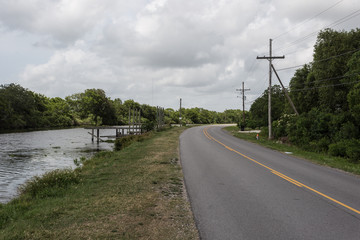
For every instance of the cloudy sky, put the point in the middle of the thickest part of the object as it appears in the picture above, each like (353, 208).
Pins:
(157, 51)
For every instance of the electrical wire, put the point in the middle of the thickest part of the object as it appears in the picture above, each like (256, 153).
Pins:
(321, 60)
(337, 22)
(331, 85)
(307, 20)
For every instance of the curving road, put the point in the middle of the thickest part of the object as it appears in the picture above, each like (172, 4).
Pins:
(239, 190)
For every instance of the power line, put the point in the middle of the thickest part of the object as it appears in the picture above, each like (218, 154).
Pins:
(287, 68)
(334, 78)
(337, 22)
(321, 60)
(307, 20)
(331, 85)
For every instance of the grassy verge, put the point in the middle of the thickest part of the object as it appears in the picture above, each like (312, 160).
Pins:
(135, 193)
(319, 158)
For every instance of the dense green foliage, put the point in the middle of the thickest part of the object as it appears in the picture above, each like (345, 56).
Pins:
(326, 93)
(21, 108)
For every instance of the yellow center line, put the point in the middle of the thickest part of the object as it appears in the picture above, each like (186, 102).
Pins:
(283, 176)
(288, 179)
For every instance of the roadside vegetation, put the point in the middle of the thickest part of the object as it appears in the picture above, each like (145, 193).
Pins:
(326, 93)
(321, 158)
(22, 109)
(134, 193)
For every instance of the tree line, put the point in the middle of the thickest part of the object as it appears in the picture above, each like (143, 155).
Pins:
(326, 93)
(21, 108)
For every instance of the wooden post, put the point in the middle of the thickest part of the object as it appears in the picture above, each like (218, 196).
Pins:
(92, 135)
(133, 121)
(129, 121)
(98, 135)
(140, 122)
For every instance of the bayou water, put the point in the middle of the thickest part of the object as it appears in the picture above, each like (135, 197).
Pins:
(24, 155)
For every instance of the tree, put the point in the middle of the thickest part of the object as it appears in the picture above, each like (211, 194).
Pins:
(58, 113)
(259, 109)
(95, 102)
(302, 91)
(19, 106)
(331, 55)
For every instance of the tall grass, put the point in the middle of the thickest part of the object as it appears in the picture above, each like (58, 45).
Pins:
(50, 184)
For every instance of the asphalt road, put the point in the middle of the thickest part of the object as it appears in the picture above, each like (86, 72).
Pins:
(239, 190)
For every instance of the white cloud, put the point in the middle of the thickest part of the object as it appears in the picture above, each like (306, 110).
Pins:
(155, 51)
(64, 20)
(71, 70)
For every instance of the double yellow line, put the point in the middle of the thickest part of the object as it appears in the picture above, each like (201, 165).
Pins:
(283, 176)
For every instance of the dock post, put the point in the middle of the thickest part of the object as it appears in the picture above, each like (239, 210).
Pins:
(129, 121)
(133, 121)
(98, 135)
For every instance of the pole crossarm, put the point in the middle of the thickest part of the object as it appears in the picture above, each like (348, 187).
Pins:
(275, 57)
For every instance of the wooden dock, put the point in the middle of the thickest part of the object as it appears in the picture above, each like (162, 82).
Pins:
(120, 131)
(134, 127)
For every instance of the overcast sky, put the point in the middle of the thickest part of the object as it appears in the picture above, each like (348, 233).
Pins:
(158, 51)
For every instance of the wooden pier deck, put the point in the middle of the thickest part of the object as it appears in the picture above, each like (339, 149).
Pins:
(119, 131)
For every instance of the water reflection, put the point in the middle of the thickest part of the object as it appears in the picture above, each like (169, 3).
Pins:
(23, 155)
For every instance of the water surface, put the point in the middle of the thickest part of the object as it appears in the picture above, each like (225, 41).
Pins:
(24, 155)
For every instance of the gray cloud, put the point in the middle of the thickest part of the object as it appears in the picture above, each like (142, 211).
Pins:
(158, 51)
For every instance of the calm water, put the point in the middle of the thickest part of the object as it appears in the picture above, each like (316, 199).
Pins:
(24, 155)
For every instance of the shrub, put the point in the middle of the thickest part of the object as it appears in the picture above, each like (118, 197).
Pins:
(353, 150)
(50, 184)
(346, 148)
(123, 142)
(337, 149)
(148, 125)
(322, 145)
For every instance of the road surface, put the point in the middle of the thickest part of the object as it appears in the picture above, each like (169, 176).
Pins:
(239, 190)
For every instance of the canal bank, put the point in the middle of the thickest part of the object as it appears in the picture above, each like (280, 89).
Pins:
(136, 193)
(26, 154)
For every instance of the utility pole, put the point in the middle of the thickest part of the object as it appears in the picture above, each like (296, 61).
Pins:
(243, 101)
(270, 58)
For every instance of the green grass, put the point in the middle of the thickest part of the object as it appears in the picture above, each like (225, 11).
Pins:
(135, 193)
(318, 158)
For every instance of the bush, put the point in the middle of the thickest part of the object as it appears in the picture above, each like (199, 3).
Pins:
(321, 145)
(123, 142)
(148, 125)
(126, 141)
(50, 184)
(264, 132)
(353, 150)
(346, 148)
(337, 149)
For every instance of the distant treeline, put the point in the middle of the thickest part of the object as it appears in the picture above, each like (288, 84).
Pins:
(326, 93)
(21, 108)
